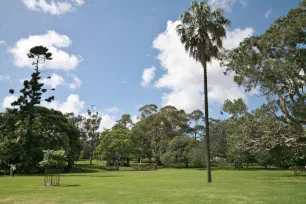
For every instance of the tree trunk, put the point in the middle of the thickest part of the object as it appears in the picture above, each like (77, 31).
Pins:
(90, 158)
(128, 161)
(206, 123)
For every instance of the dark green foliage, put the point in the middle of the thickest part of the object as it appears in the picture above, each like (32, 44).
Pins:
(31, 94)
(178, 151)
(50, 130)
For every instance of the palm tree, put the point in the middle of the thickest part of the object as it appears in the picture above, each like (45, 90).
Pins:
(201, 31)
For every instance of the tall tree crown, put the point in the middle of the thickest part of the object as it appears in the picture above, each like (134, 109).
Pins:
(201, 31)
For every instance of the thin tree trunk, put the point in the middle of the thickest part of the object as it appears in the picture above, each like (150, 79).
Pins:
(206, 123)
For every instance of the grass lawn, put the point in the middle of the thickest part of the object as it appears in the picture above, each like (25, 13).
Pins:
(162, 186)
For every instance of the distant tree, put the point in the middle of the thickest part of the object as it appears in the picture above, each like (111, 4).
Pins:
(125, 123)
(91, 128)
(197, 156)
(159, 132)
(201, 31)
(143, 140)
(219, 132)
(141, 130)
(177, 118)
(195, 119)
(147, 110)
(115, 145)
(178, 151)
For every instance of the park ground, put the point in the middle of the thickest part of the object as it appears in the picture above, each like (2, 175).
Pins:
(93, 185)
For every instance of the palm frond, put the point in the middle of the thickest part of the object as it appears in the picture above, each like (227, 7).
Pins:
(202, 31)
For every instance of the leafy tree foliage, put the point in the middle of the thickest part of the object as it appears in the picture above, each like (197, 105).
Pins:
(53, 159)
(178, 150)
(50, 129)
(116, 145)
(274, 63)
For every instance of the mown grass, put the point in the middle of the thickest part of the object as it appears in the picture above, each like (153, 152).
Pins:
(94, 185)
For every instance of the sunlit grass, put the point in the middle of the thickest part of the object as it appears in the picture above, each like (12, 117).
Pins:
(162, 186)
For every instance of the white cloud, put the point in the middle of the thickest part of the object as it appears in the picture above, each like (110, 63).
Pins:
(112, 110)
(225, 4)
(79, 2)
(135, 119)
(268, 13)
(73, 104)
(8, 100)
(76, 82)
(54, 81)
(107, 122)
(2, 42)
(184, 76)
(53, 41)
(54, 7)
(147, 76)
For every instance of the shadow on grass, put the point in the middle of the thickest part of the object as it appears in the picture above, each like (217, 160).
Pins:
(94, 176)
(83, 170)
(61, 185)
(296, 176)
(242, 169)
(70, 185)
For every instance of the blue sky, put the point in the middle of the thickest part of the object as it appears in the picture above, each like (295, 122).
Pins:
(103, 48)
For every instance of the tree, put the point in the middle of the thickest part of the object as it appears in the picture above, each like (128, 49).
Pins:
(274, 63)
(125, 123)
(115, 145)
(153, 133)
(54, 162)
(31, 95)
(177, 118)
(141, 129)
(178, 150)
(196, 117)
(50, 129)
(147, 110)
(143, 140)
(201, 31)
(91, 128)
(218, 135)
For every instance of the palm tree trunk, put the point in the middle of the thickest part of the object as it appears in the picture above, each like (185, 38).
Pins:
(204, 64)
